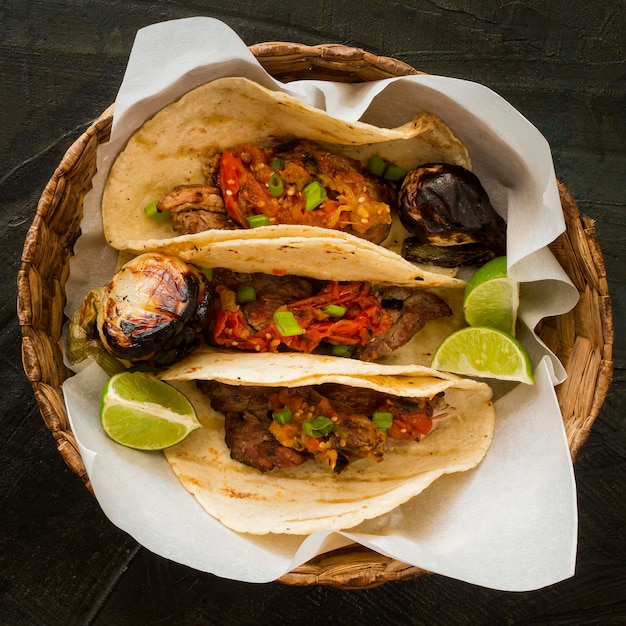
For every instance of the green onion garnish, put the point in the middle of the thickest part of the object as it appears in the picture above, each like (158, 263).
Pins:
(335, 310)
(258, 220)
(342, 350)
(152, 212)
(394, 173)
(286, 324)
(283, 416)
(382, 419)
(208, 272)
(246, 294)
(275, 185)
(318, 427)
(277, 164)
(377, 165)
(314, 195)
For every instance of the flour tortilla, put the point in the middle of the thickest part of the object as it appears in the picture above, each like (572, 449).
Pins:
(168, 151)
(310, 497)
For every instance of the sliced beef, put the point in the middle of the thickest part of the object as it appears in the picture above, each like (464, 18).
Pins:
(196, 208)
(411, 309)
(256, 439)
(250, 442)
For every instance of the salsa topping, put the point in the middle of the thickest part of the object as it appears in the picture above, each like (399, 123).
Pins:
(269, 313)
(272, 427)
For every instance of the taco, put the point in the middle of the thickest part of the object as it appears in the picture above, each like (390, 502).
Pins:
(233, 162)
(156, 308)
(299, 443)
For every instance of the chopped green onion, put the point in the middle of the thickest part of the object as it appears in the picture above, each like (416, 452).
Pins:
(258, 220)
(246, 294)
(286, 324)
(395, 173)
(151, 209)
(318, 427)
(342, 350)
(277, 164)
(377, 165)
(382, 419)
(208, 272)
(152, 212)
(275, 185)
(314, 195)
(335, 310)
(283, 416)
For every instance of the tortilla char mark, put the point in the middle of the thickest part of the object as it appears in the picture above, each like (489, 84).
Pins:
(273, 427)
(355, 318)
(248, 180)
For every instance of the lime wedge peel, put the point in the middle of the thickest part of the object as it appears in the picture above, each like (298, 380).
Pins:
(484, 353)
(139, 411)
(491, 298)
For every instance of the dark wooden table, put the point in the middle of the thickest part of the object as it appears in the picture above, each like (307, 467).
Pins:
(61, 62)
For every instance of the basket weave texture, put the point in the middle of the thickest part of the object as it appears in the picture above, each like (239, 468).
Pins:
(582, 338)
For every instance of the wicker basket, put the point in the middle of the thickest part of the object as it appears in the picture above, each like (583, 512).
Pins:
(582, 338)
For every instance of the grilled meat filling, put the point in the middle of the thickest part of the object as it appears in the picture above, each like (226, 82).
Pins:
(410, 310)
(273, 427)
(238, 187)
(366, 322)
(195, 208)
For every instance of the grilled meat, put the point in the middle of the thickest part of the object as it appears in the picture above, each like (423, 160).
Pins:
(410, 309)
(366, 322)
(195, 208)
(271, 427)
(350, 197)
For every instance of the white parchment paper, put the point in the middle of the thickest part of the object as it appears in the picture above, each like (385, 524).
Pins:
(510, 524)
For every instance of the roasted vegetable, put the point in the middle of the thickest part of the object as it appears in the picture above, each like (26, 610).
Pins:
(83, 339)
(445, 256)
(153, 309)
(446, 205)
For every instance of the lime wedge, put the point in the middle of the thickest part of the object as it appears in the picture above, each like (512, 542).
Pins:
(142, 412)
(491, 298)
(484, 353)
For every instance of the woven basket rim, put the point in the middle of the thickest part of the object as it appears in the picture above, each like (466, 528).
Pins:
(582, 338)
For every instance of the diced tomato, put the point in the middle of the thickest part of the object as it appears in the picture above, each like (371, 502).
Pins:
(232, 174)
(408, 423)
(231, 331)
